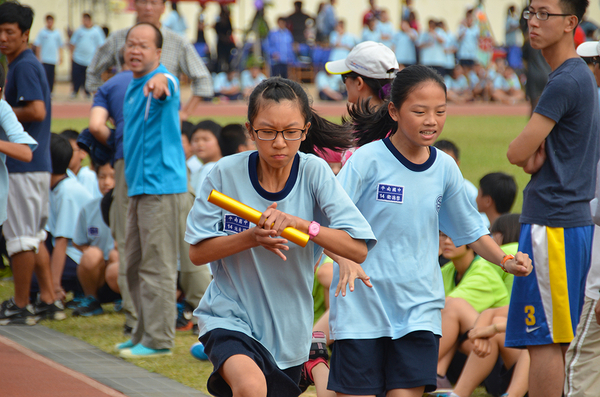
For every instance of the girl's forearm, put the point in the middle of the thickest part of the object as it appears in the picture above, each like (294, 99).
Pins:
(216, 248)
(18, 151)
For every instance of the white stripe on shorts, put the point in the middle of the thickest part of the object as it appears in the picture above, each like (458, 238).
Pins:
(539, 246)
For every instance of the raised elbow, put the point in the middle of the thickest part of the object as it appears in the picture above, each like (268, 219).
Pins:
(27, 155)
(514, 157)
(361, 253)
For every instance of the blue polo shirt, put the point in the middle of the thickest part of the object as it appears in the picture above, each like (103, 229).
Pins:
(50, 42)
(154, 158)
(26, 81)
(110, 96)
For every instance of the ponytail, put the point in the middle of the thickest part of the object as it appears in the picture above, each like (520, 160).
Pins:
(370, 124)
(323, 134)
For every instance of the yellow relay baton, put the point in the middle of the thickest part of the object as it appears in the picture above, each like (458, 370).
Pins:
(252, 215)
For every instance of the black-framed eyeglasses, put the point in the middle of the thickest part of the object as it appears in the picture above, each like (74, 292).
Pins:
(542, 15)
(292, 134)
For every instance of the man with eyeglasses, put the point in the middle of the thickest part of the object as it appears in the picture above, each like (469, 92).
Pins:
(179, 56)
(559, 147)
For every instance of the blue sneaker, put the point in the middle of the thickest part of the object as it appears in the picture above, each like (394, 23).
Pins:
(118, 305)
(73, 303)
(197, 351)
(88, 306)
(141, 351)
(124, 345)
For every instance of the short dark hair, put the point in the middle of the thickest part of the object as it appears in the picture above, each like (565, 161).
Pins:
(2, 78)
(232, 136)
(575, 7)
(187, 129)
(71, 135)
(502, 188)
(209, 125)
(60, 153)
(158, 38)
(14, 12)
(509, 226)
(448, 146)
(87, 15)
(49, 16)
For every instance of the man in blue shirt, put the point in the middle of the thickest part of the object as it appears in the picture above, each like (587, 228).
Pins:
(280, 49)
(48, 49)
(84, 42)
(156, 177)
(28, 93)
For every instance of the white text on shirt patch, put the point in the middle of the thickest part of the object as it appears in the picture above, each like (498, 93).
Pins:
(235, 224)
(390, 193)
(93, 231)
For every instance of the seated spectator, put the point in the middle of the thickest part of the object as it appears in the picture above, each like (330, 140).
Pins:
(386, 29)
(85, 175)
(404, 45)
(479, 82)
(227, 86)
(191, 160)
(205, 144)
(341, 42)
(457, 86)
(250, 79)
(496, 195)
(234, 139)
(370, 32)
(330, 87)
(67, 197)
(98, 268)
(506, 86)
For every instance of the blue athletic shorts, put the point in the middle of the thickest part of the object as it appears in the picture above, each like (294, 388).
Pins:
(545, 306)
(220, 344)
(374, 366)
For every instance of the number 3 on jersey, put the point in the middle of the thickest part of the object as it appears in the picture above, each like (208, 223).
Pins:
(530, 317)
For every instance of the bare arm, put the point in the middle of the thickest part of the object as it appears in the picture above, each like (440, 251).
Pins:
(526, 145)
(98, 127)
(57, 265)
(490, 251)
(33, 111)
(17, 151)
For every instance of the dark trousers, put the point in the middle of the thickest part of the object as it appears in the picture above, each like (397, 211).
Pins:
(49, 69)
(78, 77)
(279, 69)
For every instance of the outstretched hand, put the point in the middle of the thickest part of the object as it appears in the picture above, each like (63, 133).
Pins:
(520, 266)
(159, 86)
(349, 272)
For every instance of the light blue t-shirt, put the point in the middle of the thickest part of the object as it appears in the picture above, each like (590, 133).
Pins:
(386, 33)
(255, 292)
(89, 180)
(49, 42)
(459, 84)
(176, 23)
(404, 47)
(342, 49)
(370, 35)
(468, 40)
(198, 177)
(450, 47)
(407, 205)
(221, 82)
(248, 81)
(433, 54)
(66, 201)
(12, 131)
(152, 148)
(91, 230)
(331, 81)
(86, 41)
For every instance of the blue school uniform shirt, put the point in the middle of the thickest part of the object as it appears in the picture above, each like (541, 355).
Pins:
(86, 42)
(12, 131)
(49, 42)
(404, 47)
(450, 47)
(347, 40)
(385, 29)
(111, 96)
(91, 230)
(370, 35)
(558, 195)
(89, 180)
(468, 40)
(280, 42)
(221, 82)
(26, 81)
(326, 80)
(255, 292)
(407, 205)
(198, 177)
(248, 82)
(176, 23)
(67, 199)
(154, 158)
(433, 55)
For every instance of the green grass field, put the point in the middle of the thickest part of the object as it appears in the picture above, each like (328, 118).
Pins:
(483, 141)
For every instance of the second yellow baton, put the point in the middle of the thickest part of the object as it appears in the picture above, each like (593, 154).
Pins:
(252, 215)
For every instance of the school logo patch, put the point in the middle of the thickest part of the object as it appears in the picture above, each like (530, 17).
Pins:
(93, 231)
(390, 193)
(438, 203)
(235, 224)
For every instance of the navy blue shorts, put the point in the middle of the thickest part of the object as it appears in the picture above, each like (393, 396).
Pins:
(220, 344)
(375, 366)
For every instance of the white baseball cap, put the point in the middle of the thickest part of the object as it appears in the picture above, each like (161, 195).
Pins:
(589, 49)
(369, 59)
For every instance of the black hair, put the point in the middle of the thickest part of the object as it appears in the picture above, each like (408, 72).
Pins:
(187, 129)
(447, 146)
(509, 226)
(322, 134)
(2, 78)
(209, 125)
(14, 12)
(502, 188)
(377, 86)
(575, 7)
(49, 16)
(370, 124)
(87, 15)
(158, 35)
(70, 134)
(60, 153)
(232, 136)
